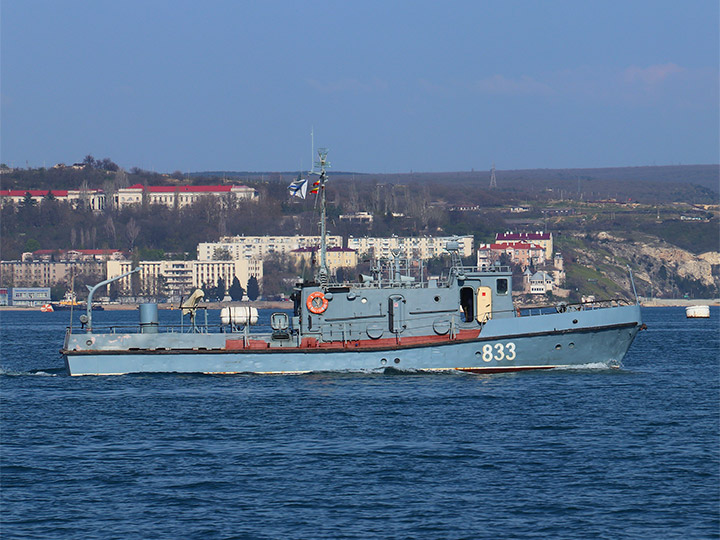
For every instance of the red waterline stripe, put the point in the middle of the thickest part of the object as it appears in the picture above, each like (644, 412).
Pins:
(502, 369)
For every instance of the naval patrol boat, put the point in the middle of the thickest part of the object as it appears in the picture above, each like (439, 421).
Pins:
(463, 321)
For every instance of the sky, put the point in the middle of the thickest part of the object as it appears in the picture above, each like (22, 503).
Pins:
(387, 86)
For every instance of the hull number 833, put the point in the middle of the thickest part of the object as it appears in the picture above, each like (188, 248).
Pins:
(498, 352)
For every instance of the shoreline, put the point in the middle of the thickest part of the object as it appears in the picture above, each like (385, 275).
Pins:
(263, 304)
(678, 302)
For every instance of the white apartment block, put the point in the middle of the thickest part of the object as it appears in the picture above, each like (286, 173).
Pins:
(180, 278)
(94, 198)
(241, 247)
(411, 247)
(181, 195)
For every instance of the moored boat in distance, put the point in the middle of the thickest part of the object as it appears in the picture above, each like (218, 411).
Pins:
(465, 320)
(697, 312)
(68, 302)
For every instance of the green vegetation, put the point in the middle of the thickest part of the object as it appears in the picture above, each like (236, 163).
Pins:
(236, 291)
(582, 280)
(696, 237)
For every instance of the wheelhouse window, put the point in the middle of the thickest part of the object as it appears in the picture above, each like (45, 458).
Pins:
(502, 286)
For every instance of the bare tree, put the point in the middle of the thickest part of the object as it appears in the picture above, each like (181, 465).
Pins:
(222, 254)
(132, 230)
(110, 230)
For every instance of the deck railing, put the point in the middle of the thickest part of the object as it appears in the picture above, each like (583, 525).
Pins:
(562, 307)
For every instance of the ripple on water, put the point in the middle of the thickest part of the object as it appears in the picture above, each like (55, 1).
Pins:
(593, 452)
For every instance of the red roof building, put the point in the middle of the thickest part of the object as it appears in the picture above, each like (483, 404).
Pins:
(94, 198)
(543, 239)
(181, 195)
(524, 254)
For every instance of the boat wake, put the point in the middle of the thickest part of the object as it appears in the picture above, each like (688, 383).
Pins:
(596, 366)
(49, 372)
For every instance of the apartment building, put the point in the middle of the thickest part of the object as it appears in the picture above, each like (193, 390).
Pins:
(257, 246)
(51, 255)
(520, 253)
(411, 247)
(93, 198)
(336, 257)
(181, 196)
(47, 273)
(543, 239)
(48, 267)
(180, 278)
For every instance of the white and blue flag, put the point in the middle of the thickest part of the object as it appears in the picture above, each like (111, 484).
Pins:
(298, 188)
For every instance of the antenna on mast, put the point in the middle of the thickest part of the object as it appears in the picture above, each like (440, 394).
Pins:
(312, 149)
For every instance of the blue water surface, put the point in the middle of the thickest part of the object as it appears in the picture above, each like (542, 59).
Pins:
(582, 453)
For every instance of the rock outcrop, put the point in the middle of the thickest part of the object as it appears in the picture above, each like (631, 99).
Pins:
(653, 261)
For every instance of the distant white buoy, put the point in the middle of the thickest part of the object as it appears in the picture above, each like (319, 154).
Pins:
(697, 312)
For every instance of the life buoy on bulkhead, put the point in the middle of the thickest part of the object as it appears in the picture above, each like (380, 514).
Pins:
(316, 302)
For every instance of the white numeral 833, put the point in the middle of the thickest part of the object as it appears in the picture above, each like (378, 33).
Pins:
(498, 352)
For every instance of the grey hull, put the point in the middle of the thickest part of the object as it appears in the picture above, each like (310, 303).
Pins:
(511, 344)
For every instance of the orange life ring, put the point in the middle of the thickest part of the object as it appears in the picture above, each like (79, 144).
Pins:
(313, 307)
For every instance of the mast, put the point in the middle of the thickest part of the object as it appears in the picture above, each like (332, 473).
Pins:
(312, 149)
(322, 275)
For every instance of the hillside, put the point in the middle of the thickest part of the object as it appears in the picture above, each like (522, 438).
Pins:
(677, 183)
(674, 183)
(668, 234)
(598, 264)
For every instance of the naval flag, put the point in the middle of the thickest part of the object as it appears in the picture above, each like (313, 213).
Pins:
(298, 188)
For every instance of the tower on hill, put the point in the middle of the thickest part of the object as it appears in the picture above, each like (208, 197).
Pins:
(493, 182)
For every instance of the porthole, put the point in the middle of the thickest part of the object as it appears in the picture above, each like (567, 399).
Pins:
(383, 361)
(397, 360)
(558, 346)
(574, 321)
(437, 298)
(571, 345)
(363, 300)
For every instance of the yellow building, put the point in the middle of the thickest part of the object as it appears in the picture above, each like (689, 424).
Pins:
(337, 257)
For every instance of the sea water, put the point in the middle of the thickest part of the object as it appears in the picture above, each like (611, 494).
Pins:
(579, 453)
